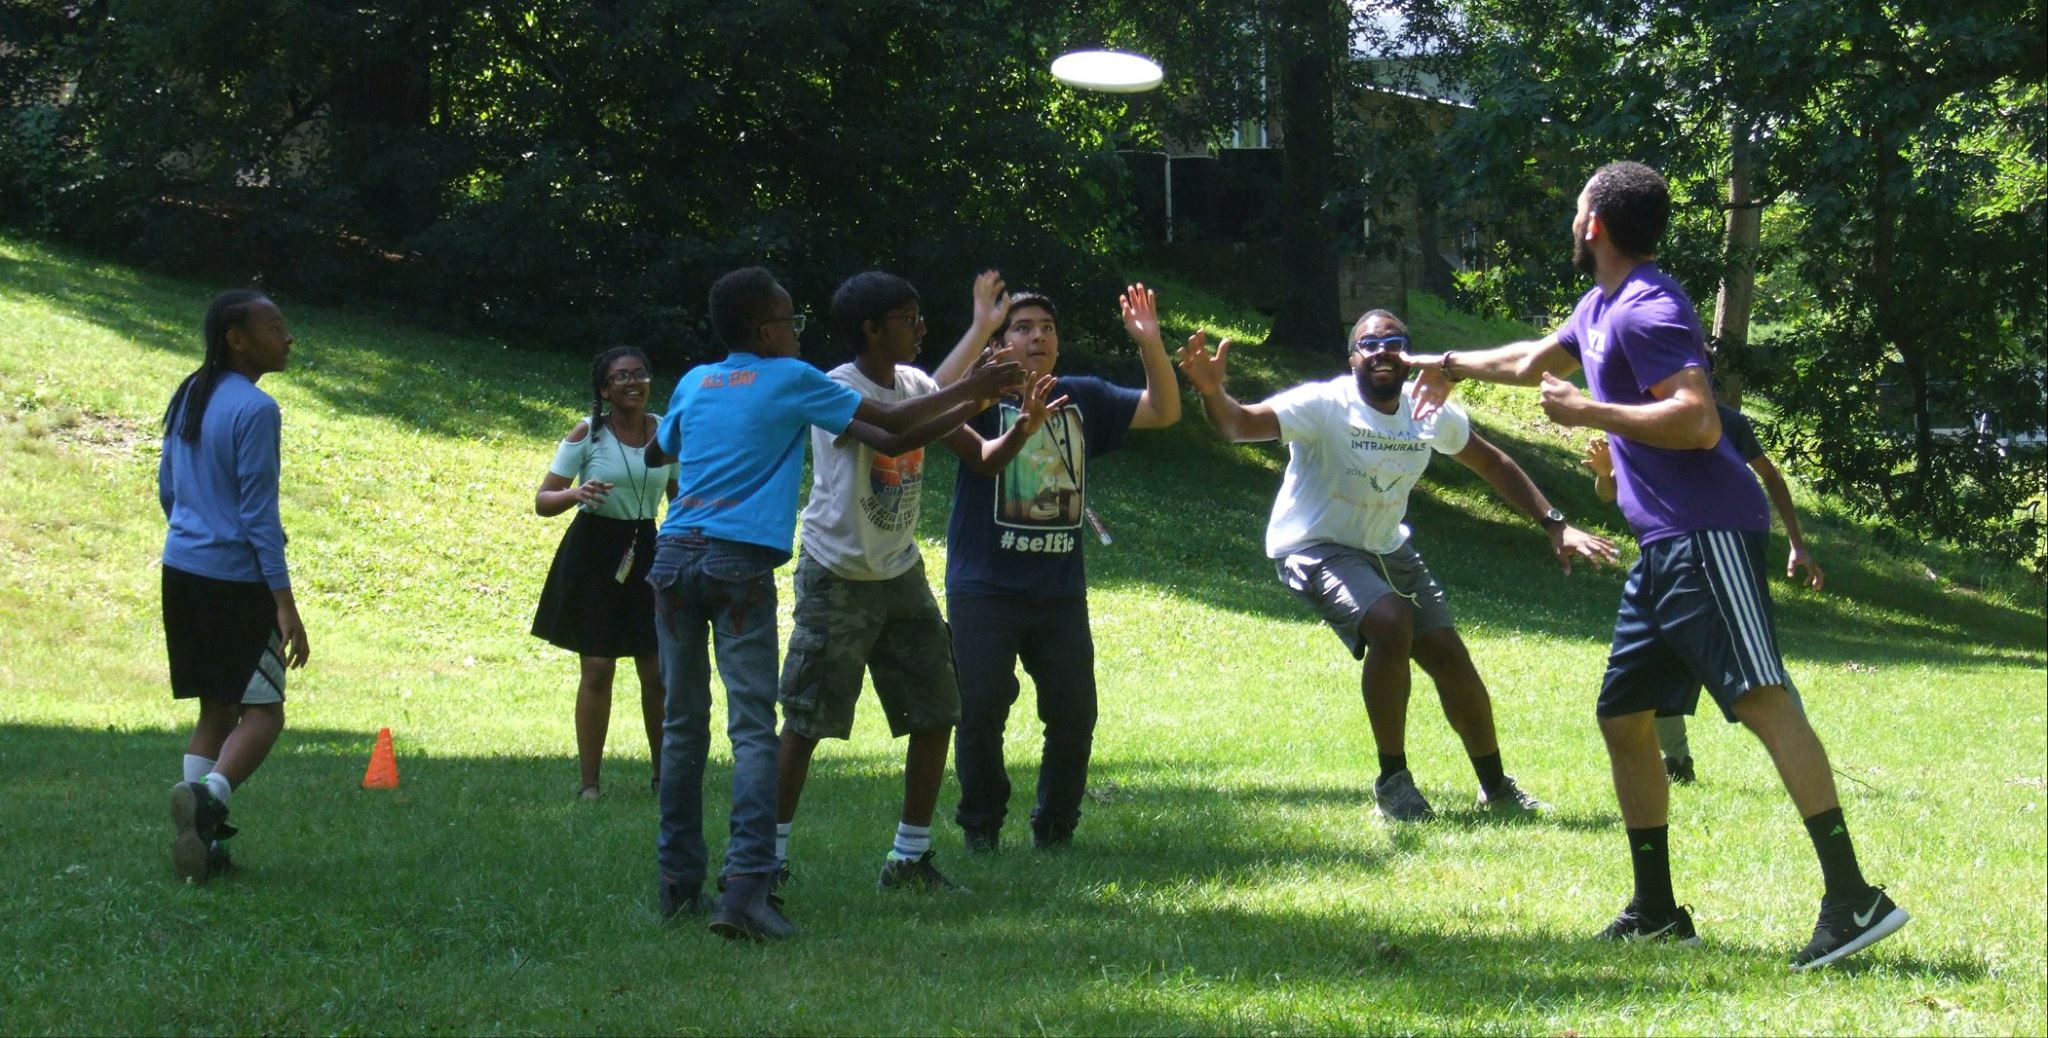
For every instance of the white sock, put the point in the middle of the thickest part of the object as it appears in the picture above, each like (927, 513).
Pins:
(912, 841)
(782, 840)
(219, 786)
(196, 767)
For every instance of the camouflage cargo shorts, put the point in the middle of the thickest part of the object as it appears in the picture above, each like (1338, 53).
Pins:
(845, 629)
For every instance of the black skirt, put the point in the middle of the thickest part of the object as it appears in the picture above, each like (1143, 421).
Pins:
(218, 633)
(584, 607)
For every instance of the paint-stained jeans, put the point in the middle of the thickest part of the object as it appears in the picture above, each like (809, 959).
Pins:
(726, 589)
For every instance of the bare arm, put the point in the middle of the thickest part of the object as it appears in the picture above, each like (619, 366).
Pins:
(991, 306)
(556, 496)
(1682, 417)
(980, 389)
(1781, 499)
(1517, 363)
(1159, 404)
(1235, 422)
(1514, 486)
(936, 427)
(987, 457)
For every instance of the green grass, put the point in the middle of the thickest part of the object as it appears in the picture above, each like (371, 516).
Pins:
(1229, 875)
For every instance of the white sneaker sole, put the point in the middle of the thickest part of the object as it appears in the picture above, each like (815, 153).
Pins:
(1885, 928)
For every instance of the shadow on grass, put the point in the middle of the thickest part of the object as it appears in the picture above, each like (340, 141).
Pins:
(1180, 907)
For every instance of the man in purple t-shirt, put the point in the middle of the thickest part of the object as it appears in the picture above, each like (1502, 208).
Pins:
(1697, 608)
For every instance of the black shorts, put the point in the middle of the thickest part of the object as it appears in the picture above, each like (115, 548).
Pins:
(1696, 611)
(223, 640)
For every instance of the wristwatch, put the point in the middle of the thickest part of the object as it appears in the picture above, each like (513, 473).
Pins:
(1552, 518)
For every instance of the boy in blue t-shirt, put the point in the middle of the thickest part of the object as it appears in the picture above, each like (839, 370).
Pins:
(736, 429)
(1015, 587)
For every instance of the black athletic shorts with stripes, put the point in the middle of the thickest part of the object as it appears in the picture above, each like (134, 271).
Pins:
(1696, 611)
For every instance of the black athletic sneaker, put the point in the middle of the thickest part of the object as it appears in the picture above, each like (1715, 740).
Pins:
(983, 841)
(196, 823)
(1051, 837)
(917, 874)
(1634, 924)
(1848, 925)
(1509, 798)
(1679, 770)
(217, 860)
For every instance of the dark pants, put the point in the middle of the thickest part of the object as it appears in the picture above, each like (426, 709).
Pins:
(1051, 637)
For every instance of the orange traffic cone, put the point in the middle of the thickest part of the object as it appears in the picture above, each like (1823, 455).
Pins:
(383, 770)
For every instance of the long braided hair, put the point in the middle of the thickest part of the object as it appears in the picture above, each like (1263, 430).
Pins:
(187, 408)
(600, 375)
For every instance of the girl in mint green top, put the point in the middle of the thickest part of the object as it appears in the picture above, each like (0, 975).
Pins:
(596, 602)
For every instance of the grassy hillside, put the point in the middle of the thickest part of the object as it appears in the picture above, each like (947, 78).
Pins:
(1229, 876)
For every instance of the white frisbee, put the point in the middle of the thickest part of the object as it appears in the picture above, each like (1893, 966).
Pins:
(1110, 71)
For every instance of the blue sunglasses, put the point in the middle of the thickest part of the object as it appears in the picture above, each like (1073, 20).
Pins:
(1381, 343)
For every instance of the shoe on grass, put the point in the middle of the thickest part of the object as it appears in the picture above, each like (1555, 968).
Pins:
(1848, 925)
(218, 862)
(197, 819)
(917, 874)
(677, 898)
(782, 878)
(744, 913)
(983, 840)
(1636, 924)
(1679, 770)
(1397, 799)
(1509, 798)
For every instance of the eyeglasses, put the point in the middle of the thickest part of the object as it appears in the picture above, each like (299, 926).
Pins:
(914, 320)
(1380, 343)
(796, 322)
(629, 377)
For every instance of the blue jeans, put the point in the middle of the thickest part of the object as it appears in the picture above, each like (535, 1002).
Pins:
(728, 588)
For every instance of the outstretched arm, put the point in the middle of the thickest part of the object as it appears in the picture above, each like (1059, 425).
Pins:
(1517, 363)
(1159, 405)
(991, 307)
(935, 427)
(1781, 499)
(979, 389)
(1235, 422)
(1514, 486)
(987, 457)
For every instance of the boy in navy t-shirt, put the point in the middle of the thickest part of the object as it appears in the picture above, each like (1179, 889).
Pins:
(1697, 606)
(736, 429)
(1015, 584)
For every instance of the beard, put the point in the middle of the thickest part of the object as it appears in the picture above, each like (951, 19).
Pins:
(1582, 256)
(1373, 391)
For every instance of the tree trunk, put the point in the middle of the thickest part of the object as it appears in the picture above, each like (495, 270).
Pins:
(1738, 258)
(1311, 35)
(1891, 325)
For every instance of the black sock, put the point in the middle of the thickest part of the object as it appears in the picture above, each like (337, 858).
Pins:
(1650, 853)
(1488, 769)
(1838, 869)
(1391, 763)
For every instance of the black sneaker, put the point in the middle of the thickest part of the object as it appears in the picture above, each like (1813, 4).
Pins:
(1634, 924)
(676, 898)
(1051, 837)
(1679, 770)
(983, 841)
(1848, 925)
(917, 874)
(1509, 798)
(217, 860)
(196, 823)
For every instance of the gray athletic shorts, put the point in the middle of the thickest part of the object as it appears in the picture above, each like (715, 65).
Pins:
(1343, 583)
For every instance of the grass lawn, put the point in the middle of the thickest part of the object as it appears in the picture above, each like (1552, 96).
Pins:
(1229, 875)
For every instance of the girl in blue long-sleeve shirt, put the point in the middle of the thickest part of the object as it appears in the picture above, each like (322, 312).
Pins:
(230, 622)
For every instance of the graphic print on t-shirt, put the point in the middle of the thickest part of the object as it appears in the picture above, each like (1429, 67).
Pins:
(1042, 488)
(893, 485)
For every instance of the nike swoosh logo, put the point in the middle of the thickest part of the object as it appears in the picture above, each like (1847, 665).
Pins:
(1863, 918)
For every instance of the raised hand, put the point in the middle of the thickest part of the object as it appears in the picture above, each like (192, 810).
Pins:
(1140, 306)
(1203, 369)
(1568, 541)
(1036, 407)
(1599, 458)
(991, 302)
(992, 379)
(1432, 386)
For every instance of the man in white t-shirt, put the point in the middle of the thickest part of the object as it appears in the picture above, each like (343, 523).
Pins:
(863, 605)
(1336, 536)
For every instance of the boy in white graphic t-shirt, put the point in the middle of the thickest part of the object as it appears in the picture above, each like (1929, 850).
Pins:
(1354, 450)
(863, 606)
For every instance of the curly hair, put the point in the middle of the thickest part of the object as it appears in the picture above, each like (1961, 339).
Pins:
(1633, 203)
